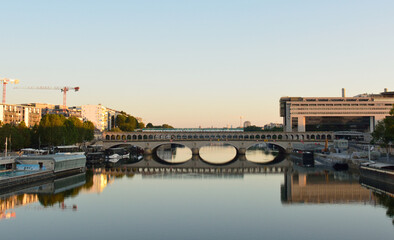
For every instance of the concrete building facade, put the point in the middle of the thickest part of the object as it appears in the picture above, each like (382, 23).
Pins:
(111, 116)
(97, 114)
(359, 113)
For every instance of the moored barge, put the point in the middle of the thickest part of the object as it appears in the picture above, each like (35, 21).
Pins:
(36, 168)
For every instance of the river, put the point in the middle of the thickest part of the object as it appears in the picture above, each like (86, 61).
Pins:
(217, 196)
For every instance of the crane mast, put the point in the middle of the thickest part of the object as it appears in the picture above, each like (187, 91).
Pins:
(5, 81)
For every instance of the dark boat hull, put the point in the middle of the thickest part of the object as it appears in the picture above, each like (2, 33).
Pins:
(303, 159)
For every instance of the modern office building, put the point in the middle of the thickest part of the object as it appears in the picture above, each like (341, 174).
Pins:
(14, 113)
(360, 113)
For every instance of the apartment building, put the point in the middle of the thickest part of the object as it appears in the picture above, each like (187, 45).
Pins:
(97, 114)
(14, 113)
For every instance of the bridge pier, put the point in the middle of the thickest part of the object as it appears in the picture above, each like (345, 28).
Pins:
(241, 151)
(147, 151)
(195, 158)
(195, 151)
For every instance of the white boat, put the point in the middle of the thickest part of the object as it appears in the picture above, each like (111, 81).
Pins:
(115, 154)
(118, 156)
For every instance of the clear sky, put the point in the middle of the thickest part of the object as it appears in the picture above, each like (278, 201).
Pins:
(196, 63)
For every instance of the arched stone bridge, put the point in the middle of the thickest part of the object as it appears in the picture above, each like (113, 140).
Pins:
(241, 141)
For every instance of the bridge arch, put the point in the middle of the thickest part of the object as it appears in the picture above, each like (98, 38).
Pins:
(211, 158)
(156, 147)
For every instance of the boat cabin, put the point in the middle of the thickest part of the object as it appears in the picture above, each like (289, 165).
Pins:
(52, 162)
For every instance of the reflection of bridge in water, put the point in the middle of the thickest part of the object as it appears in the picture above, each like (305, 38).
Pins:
(198, 165)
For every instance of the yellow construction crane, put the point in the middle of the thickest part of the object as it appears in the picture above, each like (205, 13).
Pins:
(5, 81)
(62, 89)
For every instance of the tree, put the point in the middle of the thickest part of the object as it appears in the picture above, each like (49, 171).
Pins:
(71, 131)
(141, 125)
(25, 133)
(120, 119)
(55, 130)
(18, 136)
(51, 130)
(150, 125)
(88, 131)
(384, 132)
(253, 129)
(128, 123)
(116, 129)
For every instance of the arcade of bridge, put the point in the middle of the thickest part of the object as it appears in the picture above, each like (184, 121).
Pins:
(192, 136)
(241, 141)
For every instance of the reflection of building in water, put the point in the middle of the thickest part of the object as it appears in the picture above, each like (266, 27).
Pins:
(323, 187)
(46, 192)
(100, 181)
(12, 202)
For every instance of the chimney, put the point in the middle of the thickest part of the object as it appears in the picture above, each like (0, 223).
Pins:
(343, 92)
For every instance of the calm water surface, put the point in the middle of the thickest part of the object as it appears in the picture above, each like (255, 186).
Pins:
(218, 204)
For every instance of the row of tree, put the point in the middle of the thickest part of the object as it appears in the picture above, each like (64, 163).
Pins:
(53, 130)
(150, 125)
(254, 128)
(128, 123)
